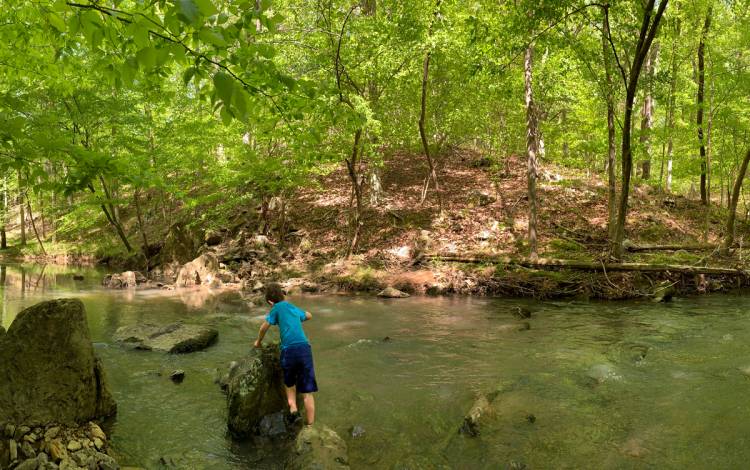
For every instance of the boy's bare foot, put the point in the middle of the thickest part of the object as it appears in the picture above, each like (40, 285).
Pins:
(293, 418)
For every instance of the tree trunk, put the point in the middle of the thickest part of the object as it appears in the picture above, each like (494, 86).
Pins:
(33, 225)
(110, 217)
(356, 222)
(423, 116)
(670, 109)
(646, 37)
(4, 215)
(611, 145)
(647, 113)
(531, 149)
(21, 211)
(729, 236)
(699, 118)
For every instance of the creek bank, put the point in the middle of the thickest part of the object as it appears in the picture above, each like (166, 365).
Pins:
(53, 389)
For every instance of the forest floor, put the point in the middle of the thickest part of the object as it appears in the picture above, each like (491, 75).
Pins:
(485, 214)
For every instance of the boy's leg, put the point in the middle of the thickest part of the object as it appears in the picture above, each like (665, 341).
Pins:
(291, 398)
(309, 400)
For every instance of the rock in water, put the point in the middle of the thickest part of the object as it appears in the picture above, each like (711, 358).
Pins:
(318, 448)
(470, 426)
(48, 369)
(392, 293)
(203, 270)
(664, 292)
(177, 376)
(521, 312)
(126, 280)
(172, 338)
(255, 389)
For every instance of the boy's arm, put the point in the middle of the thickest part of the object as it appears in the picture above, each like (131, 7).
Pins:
(308, 316)
(262, 333)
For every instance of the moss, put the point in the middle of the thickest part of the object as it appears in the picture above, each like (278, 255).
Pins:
(362, 279)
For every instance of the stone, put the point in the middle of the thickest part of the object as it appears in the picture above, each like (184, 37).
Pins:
(177, 376)
(482, 198)
(57, 451)
(98, 443)
(62, 380)
(203, 270)
(522, 313)
(172, 338)
(30, 464)
(255, 389)
(479, 409)
(105, 462)
(318, 448)
(27, 450)
(74, 446)
(42, 458)
(10, 430)
(78, 277)
(511, 327)
(13, 450)
(125, 280)
(222, 378)
(51, 433)
(664, 292)
(21, 431)
(392, 293)
(272, 425)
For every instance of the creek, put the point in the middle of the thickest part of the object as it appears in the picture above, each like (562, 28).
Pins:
(589, 385)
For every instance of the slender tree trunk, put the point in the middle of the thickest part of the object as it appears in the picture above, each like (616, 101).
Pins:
(699, 118)
(356, 223)
(646, 37)
(110, 217)
(669, 123)
(21, 210)
(729, 235)
(531, 149)
(423, 117)
(33, 225)
(611, 144)
(647, 113)
(4, 215)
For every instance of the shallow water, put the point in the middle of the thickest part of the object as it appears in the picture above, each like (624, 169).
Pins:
(610, 385)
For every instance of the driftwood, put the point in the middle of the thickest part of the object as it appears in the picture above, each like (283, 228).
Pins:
(547, 263)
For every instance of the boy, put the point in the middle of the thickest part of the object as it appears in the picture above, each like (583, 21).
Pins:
(296, 353)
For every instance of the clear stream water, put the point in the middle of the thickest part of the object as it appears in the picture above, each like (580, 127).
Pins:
(610, 385)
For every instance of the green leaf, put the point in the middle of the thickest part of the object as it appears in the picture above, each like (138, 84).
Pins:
(146, 58)
(224, 86)
(206, 7)
(212, 37)
(57, 22)
(188, 75)
(188, 11)
(226, 115)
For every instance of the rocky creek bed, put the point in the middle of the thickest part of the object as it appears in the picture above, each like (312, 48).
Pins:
(623, 385)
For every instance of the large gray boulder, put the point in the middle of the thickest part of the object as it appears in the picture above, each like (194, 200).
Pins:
(48, 369)
(255, 389)
(173, 338)
(318, 447)
(203, 270)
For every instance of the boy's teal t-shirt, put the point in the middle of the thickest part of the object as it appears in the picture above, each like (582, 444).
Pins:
(289, 318)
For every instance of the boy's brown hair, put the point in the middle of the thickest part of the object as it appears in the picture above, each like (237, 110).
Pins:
(274, 293)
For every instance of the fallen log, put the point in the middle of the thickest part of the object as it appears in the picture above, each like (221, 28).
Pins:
(695, 247)
(549, 263)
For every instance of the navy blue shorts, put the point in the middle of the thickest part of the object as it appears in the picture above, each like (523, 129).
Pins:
(297, 364)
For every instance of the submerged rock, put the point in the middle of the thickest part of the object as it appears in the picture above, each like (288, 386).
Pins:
(48, 369)
(172, 338)
(664, 292)
(470, 425)
(357, 430)
(601, 373)
(521, 312)
(255, 389)
(392, 293)
(511, 327)
(203, 270)
(177, 376)
(318, 448)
